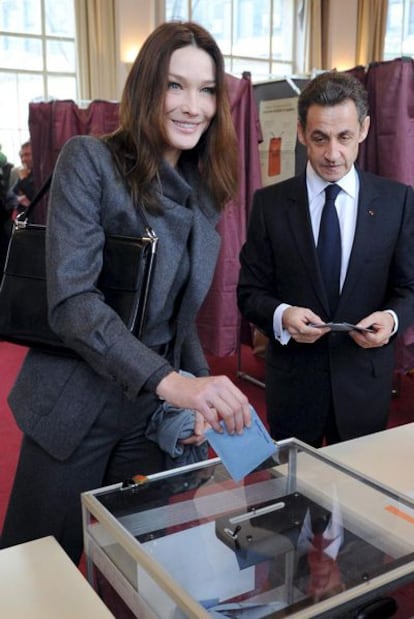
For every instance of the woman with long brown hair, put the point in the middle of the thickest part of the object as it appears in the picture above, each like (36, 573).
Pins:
(84, 419)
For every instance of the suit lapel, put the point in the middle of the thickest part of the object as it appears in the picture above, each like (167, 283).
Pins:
(301, 229)
(368, 217)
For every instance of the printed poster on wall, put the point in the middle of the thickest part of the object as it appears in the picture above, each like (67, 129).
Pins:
(278, 119)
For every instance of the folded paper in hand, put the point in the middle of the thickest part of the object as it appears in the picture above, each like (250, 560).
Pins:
(242, 453)
(341, 326)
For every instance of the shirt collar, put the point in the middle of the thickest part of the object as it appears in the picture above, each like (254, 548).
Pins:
(316, 184)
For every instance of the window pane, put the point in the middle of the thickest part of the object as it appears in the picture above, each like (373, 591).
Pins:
(408, 46)
(282, 36)
(259, 69)
(394, 29)
(59, 18)
(18, 16)
(16, 92)
(8, 99)
(215, 16)
(29, 87)
(408, 43)
(251, 28)
(176, 9)
(11, 139)
(399, 38)
(280, 69)
(61, 56)
(411, 18)
(62, 87)
(21, 53)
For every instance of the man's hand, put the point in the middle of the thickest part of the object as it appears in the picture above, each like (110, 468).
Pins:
(382, 324)
(297, 321)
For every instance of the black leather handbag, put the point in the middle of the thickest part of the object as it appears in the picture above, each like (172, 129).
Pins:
(125, 281)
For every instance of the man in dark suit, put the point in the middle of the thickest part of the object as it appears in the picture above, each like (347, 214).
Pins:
(323, 384)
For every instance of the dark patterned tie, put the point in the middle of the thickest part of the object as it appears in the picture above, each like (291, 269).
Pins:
(329, 247)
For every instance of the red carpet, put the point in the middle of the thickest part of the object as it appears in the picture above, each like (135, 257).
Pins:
(11, 358)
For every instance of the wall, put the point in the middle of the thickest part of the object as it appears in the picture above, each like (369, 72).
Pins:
(342, 26)
(135, 19)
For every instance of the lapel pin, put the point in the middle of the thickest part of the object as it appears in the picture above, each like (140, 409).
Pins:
(371, 212)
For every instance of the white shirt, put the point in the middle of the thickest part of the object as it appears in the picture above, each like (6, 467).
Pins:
(346, 205)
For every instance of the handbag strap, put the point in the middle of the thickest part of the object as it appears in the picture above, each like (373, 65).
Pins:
(23, 217)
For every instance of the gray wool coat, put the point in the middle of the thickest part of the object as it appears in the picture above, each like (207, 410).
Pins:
(56, 399)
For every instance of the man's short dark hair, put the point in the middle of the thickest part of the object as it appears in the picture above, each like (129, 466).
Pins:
(332, 88)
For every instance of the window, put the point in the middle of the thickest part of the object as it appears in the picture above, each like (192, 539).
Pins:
(253, 36)
(399, 38)
(37, 61)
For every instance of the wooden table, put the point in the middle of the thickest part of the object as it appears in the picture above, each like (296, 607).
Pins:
(386, 457)
(39, 581)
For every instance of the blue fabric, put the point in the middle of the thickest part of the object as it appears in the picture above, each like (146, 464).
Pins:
(329, 247)
(167, 427)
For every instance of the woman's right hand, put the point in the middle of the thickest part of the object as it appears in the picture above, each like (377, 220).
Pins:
(215, 397)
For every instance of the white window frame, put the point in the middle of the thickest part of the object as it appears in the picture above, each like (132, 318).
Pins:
(13, 136)
(248, 62)
(406, 43)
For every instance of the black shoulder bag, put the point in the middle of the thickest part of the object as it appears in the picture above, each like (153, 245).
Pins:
(125, 281)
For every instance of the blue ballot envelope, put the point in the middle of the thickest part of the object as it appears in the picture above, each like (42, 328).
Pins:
(242, 453)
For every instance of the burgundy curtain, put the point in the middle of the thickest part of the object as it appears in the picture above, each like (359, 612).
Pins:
(219, 318)
(389, 147)
(52, 123)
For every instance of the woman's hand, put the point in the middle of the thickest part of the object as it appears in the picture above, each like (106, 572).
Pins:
(200, 428)
(215, 397)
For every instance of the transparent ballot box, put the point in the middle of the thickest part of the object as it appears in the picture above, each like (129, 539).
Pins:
(301, 536)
